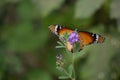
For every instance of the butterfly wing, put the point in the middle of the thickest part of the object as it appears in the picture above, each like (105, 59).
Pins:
(59, 30)
(87, 38)
(64, 30)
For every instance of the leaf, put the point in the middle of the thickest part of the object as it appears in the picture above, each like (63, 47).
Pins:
(115, 12)
(86, 8)
(60, 69)
(115, 9)
(82, 52)
(118, 23)
(70, 69)
(60, 43)
(76, 47)
(66, 35)
(60, 47)
(63, 77)
(45, 7)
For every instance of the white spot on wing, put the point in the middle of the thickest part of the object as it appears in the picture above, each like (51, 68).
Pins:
(97, 36)
(60, 27)
(56, 27)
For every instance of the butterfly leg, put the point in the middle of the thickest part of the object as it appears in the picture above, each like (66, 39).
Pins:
(81, 44)
(81, 47)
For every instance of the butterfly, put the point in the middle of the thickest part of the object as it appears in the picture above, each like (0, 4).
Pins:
(85, 38)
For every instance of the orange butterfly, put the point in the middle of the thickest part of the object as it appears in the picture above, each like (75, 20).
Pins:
(85, 38)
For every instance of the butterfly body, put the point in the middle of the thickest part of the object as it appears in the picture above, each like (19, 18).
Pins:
(85, 38)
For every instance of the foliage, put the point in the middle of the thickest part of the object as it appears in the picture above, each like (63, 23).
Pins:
(86, 8)
(27, 47)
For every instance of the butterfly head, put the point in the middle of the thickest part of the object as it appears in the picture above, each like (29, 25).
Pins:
(55, 28)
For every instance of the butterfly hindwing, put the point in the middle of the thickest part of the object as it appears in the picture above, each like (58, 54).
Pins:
(87, 38)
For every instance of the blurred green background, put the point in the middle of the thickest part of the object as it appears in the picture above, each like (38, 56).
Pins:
(27, 47)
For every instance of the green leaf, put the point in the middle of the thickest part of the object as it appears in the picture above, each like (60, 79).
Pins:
(63, 77)
(66, 35)
(115, 12)
(60, 69)
(45, 7)
(70, 69)
(82, 52)
(115, 9)
(60, 47)
(86, 8)
(60, 43)
(76, 47)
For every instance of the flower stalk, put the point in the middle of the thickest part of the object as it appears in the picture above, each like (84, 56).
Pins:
(71, 43)
(73, 67)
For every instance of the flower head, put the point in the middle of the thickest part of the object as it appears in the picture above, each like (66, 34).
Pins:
(73, 37)
(59, 57)
(59, 61)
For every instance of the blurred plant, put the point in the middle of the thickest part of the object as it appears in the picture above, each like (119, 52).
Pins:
(73, 41)
(23, 23)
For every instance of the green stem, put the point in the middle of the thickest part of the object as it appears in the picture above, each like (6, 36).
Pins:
(73, 66)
